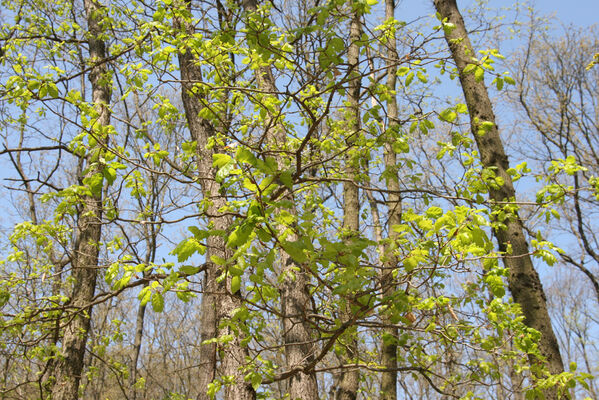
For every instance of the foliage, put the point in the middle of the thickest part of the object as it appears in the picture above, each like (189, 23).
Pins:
(460, 334)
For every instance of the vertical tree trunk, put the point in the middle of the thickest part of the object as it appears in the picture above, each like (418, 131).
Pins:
(69, 368)
(298, 335)
(390, 333)
(218, 302)
(349, 381)
(523, 280)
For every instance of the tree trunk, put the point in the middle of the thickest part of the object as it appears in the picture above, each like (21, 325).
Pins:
(523, 280)
(390, 333)
(218, 302)
(298, 335)
(349, 381)
(69, 368)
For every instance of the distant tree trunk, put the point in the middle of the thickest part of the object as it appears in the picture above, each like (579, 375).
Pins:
(523, 280)
(218, 302)
(390, 333)
(349, 381)
(69, 367)
(298, 335)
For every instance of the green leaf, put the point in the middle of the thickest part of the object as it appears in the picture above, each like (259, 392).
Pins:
(157, 302)
(224, 171)
(448, 115)
(220, 160)
(240, 235)
(479, 74)
(256, 380)
(235, 284)
(218, 260)
(189, 269)
(434, 212)
(245, 156)
(295, 250)
(187, 248)
(95, 183)
(499, 83)
(470, 68)
(495, 284)
(336, 46)
(286, 178)
(110, 174)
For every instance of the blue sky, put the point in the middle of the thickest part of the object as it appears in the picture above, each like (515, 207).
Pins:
(578, 12)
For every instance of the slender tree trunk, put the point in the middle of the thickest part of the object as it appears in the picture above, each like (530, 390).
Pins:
(218, 303)
(523, 280)
(349, 381)
(69, 368)
(298, 335)
(390, 333)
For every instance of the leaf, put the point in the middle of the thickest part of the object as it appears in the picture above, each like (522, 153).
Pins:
(286, 178)
(509, 80)
(157, 302)
(499, 83)
(224, 171)
(187, 248)
(218, 260)
(220, 160)
(235, 284)
(495, 284)
(245, 156)
(295, 250)
(240, 235)
(110, 174)
(434, 212)
(189, 269)
(448, 115)
(336, 46)
(469, 68)
(479, 74)
(95, 183)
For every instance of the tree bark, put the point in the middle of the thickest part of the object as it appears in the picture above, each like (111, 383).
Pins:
(69, 367)
(349, 381)
(298, 335)
(523, 280)
(390, 333)
(218, 303)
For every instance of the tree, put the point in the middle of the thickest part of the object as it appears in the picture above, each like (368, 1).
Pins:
(327, 261)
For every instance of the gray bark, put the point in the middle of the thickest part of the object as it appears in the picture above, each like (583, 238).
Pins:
(218, 302)
(349, 381)
(523, 280)
(389, 348)
(298, 335)
(69, 367)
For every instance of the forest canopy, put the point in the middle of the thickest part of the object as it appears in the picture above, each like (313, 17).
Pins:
(319, 199)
